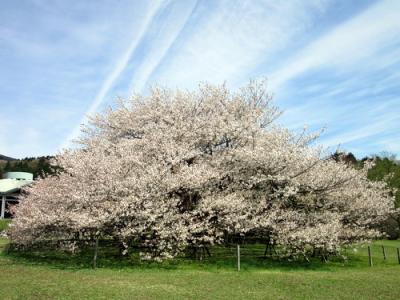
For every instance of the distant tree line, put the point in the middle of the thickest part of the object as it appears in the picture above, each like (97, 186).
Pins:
(38, 166)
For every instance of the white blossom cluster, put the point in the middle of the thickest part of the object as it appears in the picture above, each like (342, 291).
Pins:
(179, 169)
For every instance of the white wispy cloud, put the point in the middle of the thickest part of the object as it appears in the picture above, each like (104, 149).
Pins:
(120, 65)
(389, 145)
(355, 100)
(162, 42)
(233, 38)
(330, 63)
(377, 127)
(351, 43)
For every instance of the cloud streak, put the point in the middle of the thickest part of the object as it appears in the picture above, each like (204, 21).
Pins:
(120, 65)
(349, 44)
(161, 44)
(231, 40)
(330, 63)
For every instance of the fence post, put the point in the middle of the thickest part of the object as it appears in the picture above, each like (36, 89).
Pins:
(384, 252)
(398, 255)
(96, 247)
(370, 256)
(238, 257)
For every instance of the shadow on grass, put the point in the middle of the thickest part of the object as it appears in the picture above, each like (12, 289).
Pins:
(221, 259)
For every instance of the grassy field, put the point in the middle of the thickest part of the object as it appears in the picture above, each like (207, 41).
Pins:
(3, 224)
(36, 275)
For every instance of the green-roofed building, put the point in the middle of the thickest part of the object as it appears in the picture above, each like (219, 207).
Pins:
(10, 187)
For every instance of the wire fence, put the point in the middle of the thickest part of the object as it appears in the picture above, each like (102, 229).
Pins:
(232, 256)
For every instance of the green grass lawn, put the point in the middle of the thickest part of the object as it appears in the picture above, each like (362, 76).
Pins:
(53, 275)
(4, 224)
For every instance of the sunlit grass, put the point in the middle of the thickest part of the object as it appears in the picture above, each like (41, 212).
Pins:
(57, 275)
(4, 224)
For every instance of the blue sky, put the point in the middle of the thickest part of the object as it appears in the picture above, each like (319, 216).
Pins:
(332, 64)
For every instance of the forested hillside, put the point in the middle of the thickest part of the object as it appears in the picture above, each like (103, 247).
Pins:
(3, 157)
(36, 165)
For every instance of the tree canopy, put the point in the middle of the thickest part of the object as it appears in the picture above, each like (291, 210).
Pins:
(177, 169)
